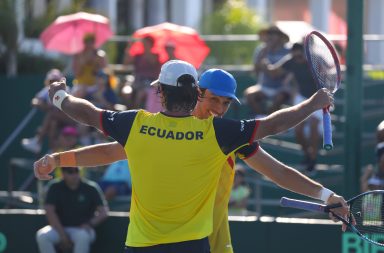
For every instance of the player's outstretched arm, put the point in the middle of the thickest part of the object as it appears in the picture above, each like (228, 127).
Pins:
(287, 177)
(78, 109)
(89, 156)
(283, 175)
(290, 179)
(284, 119)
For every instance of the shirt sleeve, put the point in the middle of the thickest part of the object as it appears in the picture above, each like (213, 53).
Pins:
(118, 124)
(247, 151)
(233, 134)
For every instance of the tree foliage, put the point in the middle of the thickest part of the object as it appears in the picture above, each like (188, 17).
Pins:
(232, 17)
(35, 26)
(8, 27)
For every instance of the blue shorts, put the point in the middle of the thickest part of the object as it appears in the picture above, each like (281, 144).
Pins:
(194, 246)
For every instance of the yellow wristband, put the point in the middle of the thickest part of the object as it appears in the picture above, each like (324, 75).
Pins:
(68, 159)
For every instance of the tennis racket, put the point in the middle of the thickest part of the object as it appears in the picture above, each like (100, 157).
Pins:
(366, 210)
(325, 68)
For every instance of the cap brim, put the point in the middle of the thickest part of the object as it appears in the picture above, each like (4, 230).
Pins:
(224, 94)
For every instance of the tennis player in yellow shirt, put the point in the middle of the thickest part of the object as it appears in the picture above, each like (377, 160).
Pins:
(217, 98)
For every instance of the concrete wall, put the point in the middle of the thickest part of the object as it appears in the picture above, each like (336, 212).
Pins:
(18, 228)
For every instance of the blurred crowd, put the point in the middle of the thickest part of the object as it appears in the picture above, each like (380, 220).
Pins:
(283, 79)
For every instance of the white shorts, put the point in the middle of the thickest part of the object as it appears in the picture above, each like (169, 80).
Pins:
(297, 99)
(270, 92)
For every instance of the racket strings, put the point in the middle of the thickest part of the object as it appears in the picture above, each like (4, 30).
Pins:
(368, 211)
(323, 63)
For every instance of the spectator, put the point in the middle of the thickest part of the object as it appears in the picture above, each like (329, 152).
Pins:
(116, 180)
(170, 48)
(340, 52)
(86, 65)
(124, 91)
(54, 119)
(373, 176)
(380, 132)
(68, 138)
(269, 93)
(240, 193)
(146, 68)
(74, 207)
(103, 96)
(373, 172)
(297, 74)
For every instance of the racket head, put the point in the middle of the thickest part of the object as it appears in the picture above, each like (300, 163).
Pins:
(323, 61)
(367, 209)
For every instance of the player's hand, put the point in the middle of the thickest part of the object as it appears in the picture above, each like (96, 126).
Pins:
(55, 86)
(44, 166)
(323, 98)
(342, 211)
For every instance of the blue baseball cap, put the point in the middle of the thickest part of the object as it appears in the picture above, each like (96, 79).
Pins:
(219, 82)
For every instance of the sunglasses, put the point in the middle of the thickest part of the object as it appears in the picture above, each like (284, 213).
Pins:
(71, 171)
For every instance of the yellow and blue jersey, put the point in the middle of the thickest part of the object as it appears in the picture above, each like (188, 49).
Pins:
(220, 239)
(175, 165)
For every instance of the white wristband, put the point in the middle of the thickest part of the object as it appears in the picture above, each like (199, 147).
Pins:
(325, 193)
(58, 98)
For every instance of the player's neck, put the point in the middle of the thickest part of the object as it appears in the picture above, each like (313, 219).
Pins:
(176, 113)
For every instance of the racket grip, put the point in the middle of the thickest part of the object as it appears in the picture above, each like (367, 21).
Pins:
(329, 207)
(304, 205)
(327, 130)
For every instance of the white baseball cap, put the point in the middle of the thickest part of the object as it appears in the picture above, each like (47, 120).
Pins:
(172, 70)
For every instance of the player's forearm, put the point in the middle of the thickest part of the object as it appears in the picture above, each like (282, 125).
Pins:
(284, 119)
(82, 111)
(283, 175)
(90, 156)
(294, 181)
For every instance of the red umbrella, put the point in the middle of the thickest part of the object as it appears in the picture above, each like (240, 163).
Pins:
(188, 44)
(66, 33)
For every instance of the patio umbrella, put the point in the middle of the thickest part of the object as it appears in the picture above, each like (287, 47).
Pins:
(66, 33)
(188, 44)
